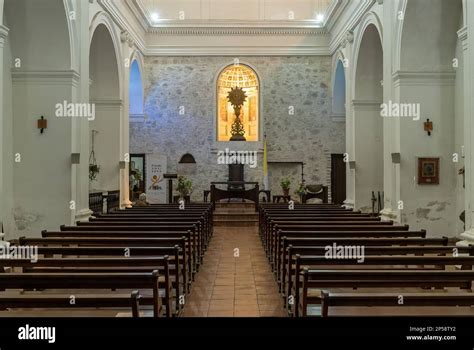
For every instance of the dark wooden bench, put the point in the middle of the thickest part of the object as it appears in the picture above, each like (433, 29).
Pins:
(104, 265)
(330, 300)
(44, 301)
(85, 281)
(326, 279)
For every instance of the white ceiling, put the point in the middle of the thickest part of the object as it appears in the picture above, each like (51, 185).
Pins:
(164, 12)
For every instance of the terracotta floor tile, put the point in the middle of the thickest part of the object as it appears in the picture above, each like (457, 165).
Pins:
(229, 286)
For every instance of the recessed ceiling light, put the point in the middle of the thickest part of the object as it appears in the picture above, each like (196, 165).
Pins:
(155, 16)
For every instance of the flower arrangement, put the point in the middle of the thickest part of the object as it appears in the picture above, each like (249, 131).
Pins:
(185, 186)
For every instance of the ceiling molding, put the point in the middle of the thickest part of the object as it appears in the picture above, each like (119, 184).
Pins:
(111, 8)
(339, 37)
(236, 51)
(235, 29)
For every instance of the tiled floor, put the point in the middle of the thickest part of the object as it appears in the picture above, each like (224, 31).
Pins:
(235, 279)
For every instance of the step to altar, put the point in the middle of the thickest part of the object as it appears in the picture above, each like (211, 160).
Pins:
(235, 214)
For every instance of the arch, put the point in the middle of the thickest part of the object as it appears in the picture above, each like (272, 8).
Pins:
(369, 66)
(104, 75)
(105, 93)
(339, 90)
(31, 24)
(136, 90)
(369, 19)
(242, 75)
(367, 123)
(187, 158)
(99, 20)
(428, 26)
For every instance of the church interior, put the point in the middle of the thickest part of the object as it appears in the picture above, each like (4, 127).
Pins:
(236, 158)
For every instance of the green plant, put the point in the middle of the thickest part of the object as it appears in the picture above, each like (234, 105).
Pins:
(94, 169)
(138, 175)
(301, 191)
(285, 183)
(185, 186)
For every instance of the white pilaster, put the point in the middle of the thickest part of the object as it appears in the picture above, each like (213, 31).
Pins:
(3, 37)
(466, 36)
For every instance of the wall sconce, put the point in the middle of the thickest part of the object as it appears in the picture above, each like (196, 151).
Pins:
(428, 126)
(42, 124)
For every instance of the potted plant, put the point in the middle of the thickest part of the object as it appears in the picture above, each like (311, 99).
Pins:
(94, 169)
(184, 186)
(285, 186)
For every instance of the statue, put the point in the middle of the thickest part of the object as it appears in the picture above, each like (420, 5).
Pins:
(237, 98)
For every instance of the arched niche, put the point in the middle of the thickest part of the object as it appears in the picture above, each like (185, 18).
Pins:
(136, 90)
(105, 94)
(245, 77)
(367, 122)
(339, 91)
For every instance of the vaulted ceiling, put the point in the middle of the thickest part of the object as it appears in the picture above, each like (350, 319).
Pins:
(159, 13)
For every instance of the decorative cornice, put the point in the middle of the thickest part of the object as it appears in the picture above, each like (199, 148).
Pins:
(366, 105)
(46, 77)
(198, 28)
(410, 78)
(236, 51)
(354, 20)
(107, 103)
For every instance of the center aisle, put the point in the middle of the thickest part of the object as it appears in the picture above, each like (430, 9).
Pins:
(234, 286)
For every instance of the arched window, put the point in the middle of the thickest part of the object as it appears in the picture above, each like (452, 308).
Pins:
(244, 77)
(136, 90)
(339, 92)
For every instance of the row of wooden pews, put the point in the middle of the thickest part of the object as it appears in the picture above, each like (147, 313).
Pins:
(329, 260)
(151, 254)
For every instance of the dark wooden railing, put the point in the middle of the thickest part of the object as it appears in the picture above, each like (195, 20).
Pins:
(97, 199)
(113, 201)
(235, 189)
(96, 203)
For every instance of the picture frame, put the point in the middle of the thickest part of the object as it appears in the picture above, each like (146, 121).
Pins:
(428, 171)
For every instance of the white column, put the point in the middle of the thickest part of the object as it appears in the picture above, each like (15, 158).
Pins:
(350, 172)
(467, 38)
(127, 44)
(80, 172)
(391, 138)
(3, 37)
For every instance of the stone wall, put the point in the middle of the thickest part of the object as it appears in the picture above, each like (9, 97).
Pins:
(301, 82)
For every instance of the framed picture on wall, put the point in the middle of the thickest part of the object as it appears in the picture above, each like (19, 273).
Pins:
(428, 171)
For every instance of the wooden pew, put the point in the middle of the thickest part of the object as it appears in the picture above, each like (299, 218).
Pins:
(104, 265)
(137, 229)
(289, 259)
(44, 301)
(126, 242)
(85, 281)
(277, 248)
(319, 279)
(330, 300)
